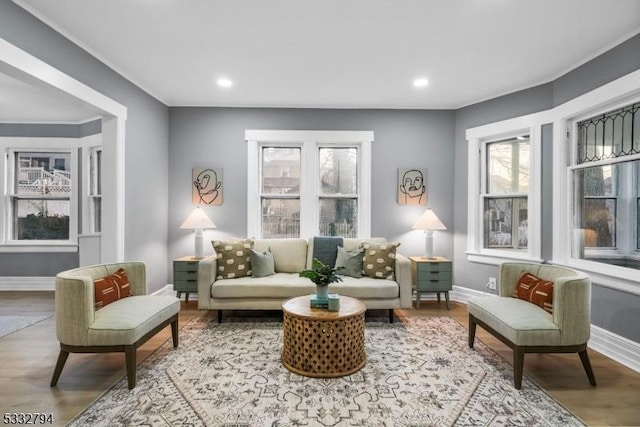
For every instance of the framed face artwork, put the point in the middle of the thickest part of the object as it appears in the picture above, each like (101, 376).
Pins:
(206, 186)
(412, 187)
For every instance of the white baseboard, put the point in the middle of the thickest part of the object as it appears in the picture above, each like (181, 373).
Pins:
(20, 283)
(166, 290)
(615, 347)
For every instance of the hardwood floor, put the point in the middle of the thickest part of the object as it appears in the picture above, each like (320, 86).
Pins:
(28, 356)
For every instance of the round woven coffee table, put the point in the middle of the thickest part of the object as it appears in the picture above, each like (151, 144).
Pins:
(322, 343)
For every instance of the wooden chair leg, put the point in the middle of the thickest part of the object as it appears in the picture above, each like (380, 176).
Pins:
(472, 331)
(518, 366)
(130, 359)
(219, 316)
(584, 357)
(62, 359)
(390, 315)
(174, 332)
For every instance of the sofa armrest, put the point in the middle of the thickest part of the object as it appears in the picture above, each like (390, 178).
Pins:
(206, 276)
(572, 308)
(403, 277)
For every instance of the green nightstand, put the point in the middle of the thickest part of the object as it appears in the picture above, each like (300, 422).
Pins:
(185, 275)
(431, 275)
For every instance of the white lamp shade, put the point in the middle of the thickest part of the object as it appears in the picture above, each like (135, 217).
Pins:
(198, 220)
(429, 221)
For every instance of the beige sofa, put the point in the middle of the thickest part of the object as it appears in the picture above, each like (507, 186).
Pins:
(292, 256)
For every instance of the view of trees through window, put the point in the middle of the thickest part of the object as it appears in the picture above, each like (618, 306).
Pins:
(506, 198)
(41, 196)
(336, 191)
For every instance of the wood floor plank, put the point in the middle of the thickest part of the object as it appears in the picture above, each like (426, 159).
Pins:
(28, 356)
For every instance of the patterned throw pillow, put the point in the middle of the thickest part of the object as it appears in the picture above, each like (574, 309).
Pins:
(379, 260)
(111, 288)
(234, 258)
(535, 290)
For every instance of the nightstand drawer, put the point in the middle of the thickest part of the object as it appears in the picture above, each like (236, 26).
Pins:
(435, 276)
(185, 266)
(434, 285)
(433, 267)
(185, 275)
(185, 285)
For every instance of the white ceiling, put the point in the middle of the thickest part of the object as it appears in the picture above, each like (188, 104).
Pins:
(23, 103)
(340, 53)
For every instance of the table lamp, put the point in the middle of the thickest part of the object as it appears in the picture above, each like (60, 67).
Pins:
(198, 221)
(429, 222)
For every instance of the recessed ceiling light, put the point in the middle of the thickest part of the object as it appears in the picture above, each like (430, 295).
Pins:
(224, 82)
(420, 82)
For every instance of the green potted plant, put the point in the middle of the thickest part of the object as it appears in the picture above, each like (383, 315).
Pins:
(321, 274)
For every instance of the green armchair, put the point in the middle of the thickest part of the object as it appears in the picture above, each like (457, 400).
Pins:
(526, 327)
(121, 326)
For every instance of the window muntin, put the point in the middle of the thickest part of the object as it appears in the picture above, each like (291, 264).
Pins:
(40, 200)
(505, 202)
(610, 135)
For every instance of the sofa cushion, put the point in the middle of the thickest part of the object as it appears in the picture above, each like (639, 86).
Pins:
(111, 288)
(262, 263)
(289, 255)
(349, 263)
(233, 257)
(379, 260)
(286, 285)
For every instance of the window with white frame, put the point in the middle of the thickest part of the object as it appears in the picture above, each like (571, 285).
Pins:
(95, 189)
(504, 191)
(39, 199)
(605, 183)
(306, 183)
(506, 196)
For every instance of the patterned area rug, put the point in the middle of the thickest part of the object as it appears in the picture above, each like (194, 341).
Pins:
(11, 324)
(419, 372)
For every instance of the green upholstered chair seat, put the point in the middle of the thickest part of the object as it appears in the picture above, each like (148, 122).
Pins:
(519, 321)
(129, 319)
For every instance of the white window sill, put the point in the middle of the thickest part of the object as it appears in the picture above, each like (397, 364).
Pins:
(497, 258)
(38, 247)
(610, 276)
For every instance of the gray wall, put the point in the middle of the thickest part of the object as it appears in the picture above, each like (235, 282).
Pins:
(613, 310)
(147, 135)
(214, 137)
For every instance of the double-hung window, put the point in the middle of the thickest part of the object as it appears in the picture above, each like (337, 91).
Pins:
(39, 200)
(505, 200)
(504, 191)
(306, 183)
(605, 185)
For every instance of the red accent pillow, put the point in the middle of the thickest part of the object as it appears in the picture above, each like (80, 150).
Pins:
(542, 295)
(111, 288)
(535, 290)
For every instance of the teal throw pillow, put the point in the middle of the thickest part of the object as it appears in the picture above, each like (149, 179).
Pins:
(262, 263)
(349, 263)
